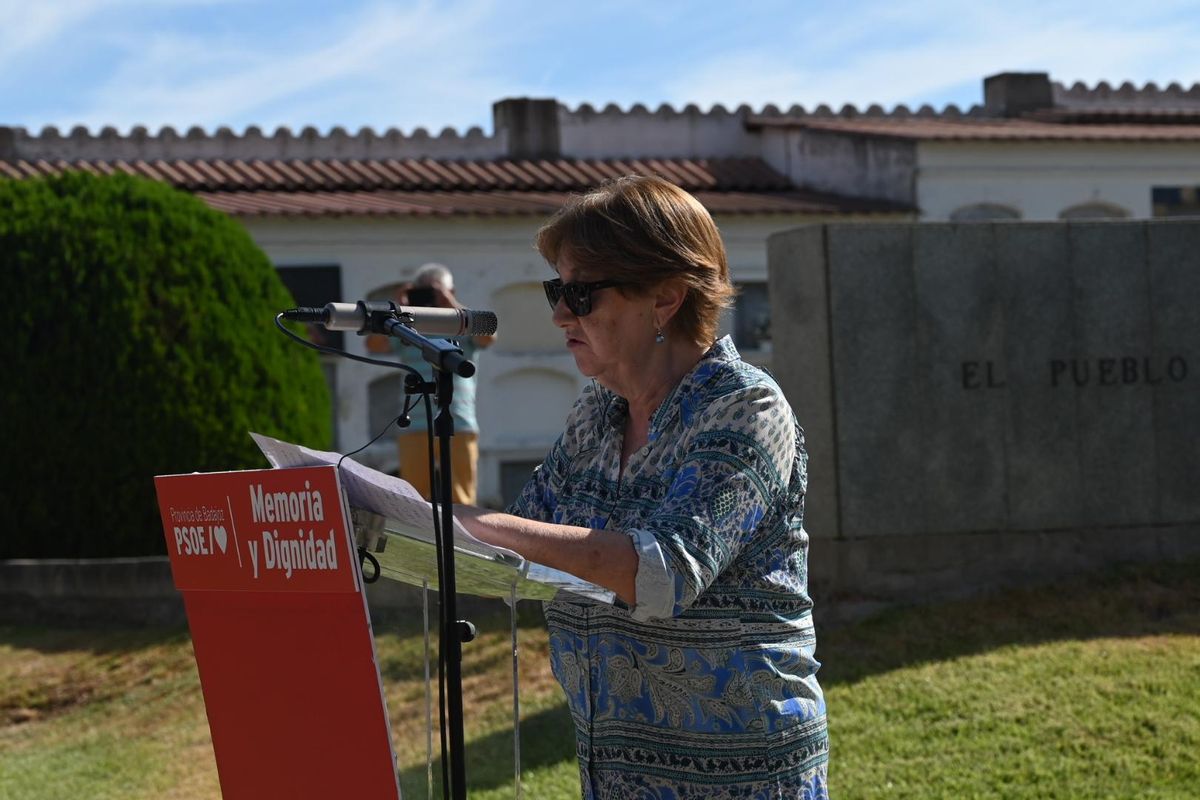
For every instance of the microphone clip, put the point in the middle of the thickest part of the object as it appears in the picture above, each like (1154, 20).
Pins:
(376, 313)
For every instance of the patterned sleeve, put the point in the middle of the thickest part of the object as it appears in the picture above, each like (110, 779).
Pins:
(739, 454)
(537, 500)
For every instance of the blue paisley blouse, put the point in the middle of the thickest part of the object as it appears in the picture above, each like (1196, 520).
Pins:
(707, 687)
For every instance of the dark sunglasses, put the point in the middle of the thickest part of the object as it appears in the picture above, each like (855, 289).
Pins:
(578, 294)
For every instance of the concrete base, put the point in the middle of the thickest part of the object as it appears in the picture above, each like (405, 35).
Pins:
(855, 578)
(851, 579)
(140, 592)
(103, 592)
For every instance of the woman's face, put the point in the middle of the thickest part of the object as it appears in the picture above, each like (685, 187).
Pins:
(611, 343)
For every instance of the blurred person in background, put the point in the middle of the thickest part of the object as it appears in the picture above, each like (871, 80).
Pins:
(433, 286)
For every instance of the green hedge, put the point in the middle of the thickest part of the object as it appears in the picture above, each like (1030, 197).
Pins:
(143, 344)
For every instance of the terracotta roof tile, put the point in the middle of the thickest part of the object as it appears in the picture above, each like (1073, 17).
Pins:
(86, 167)
(543, 173)
(511, 170)
(977, 128)
(191, 177)
(269, 171)
(294, 178)
(456, 187)
(229, 171)
(479, 176)
(518, 203)
(571, 174)
(361, 171)
(333, 174)
(451, 173)
(461, 174)
(667, 169)
(1093, 115)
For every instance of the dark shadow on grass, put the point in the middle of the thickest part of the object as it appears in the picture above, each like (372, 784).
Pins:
(107, 639)
(101, 641)
(1126, 601)
(408, 662)
(547, 738)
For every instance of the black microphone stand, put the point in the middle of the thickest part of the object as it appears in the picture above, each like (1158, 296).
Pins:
(448, 360)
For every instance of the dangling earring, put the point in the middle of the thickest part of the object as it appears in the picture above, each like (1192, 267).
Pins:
(659, 337)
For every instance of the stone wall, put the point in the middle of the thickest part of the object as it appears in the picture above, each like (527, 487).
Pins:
(991, 403)
(139, 144)
(858, 166)
(140, 592)
(116, 592)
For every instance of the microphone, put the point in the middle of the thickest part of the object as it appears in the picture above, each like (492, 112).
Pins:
(423, 319)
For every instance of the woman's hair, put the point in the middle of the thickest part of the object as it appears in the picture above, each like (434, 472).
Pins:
(642, 230)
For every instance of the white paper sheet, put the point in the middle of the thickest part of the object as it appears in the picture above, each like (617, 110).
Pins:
(410, 515)
(379, 493)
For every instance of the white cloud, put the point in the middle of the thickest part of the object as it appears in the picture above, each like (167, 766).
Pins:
(383, 65)
(30, 25)
(967, 43)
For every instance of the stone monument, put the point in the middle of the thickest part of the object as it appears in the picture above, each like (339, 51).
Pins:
(991, 403)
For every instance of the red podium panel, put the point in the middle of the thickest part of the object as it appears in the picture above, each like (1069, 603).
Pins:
(279, 623)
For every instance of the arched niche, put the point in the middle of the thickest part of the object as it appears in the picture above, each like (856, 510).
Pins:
(1093, 210)
(385, 397)
(984, 212)
(526, 325)
(528, 404)
(387, 292)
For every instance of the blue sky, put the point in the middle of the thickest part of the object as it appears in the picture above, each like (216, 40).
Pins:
(405, 65)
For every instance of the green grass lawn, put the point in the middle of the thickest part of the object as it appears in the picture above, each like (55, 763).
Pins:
(1088, 689)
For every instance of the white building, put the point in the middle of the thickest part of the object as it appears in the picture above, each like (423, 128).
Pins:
(349, 216)
(1034, 150)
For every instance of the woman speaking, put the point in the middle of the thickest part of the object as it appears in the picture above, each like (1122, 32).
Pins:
(679, 484)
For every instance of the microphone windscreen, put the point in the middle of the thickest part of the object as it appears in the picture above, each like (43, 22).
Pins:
(483, 323)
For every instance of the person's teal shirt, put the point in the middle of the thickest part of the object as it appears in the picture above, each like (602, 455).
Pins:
(462, 404)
